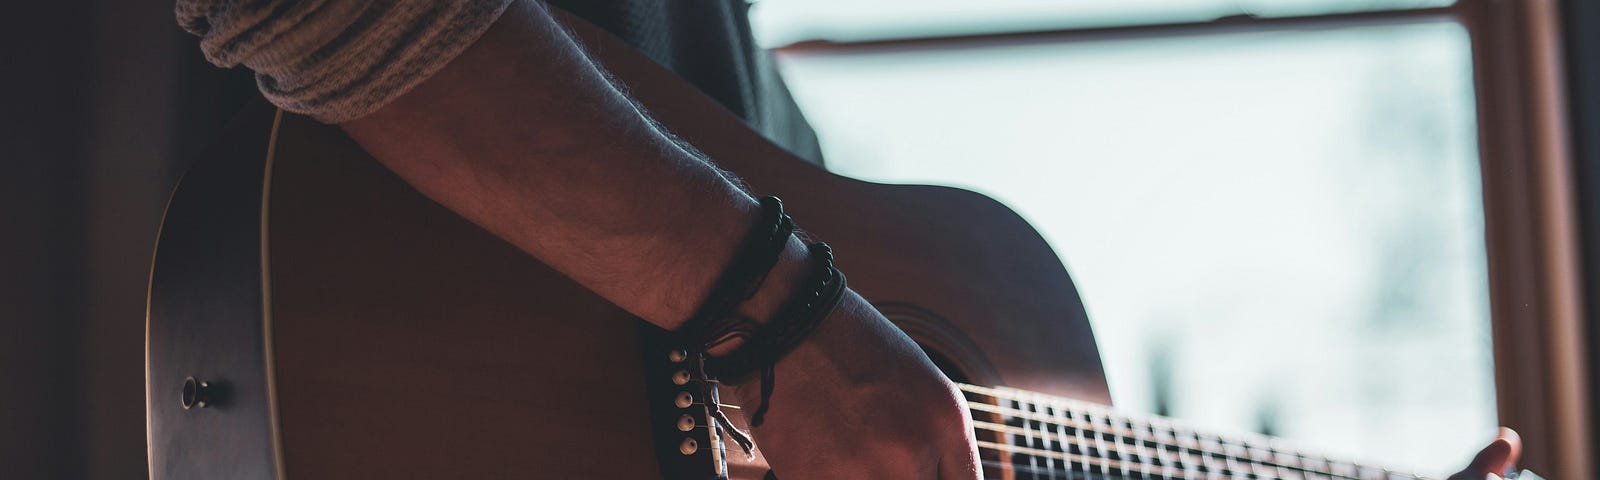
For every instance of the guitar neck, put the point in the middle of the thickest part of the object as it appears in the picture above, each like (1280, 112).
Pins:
(1026, 435)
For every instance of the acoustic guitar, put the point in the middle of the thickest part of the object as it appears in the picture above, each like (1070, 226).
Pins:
(312, 317)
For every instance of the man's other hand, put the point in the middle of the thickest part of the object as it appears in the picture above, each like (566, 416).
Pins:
(1495, 459)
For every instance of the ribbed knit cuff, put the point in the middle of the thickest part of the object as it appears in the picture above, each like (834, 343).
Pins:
(337, 60)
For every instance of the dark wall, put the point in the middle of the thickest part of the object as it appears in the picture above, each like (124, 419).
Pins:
(103, 101)
(1581, 25)
(39, 233)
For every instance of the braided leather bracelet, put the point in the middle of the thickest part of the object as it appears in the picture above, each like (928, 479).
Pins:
(715, 321)
(794, 323)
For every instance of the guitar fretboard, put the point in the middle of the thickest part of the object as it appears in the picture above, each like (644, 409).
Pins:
(1028, 436)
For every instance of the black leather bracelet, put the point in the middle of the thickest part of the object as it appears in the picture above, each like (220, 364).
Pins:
(715, 321)
(795, 322)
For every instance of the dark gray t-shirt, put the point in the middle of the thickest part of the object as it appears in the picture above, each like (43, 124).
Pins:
(709, 44)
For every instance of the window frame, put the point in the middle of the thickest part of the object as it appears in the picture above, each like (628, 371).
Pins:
(1531, 220)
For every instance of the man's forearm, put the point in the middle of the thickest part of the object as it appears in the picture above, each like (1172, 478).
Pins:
(524, 136)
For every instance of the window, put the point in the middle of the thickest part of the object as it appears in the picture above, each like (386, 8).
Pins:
(785, 22)
(1276, 229)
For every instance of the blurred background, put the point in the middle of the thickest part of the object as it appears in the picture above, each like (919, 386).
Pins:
(1364, 225)
(1276, 230)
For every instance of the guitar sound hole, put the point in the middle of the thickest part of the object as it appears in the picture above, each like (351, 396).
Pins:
(945, 365)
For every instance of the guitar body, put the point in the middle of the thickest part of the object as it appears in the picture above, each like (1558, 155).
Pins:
(345, 326)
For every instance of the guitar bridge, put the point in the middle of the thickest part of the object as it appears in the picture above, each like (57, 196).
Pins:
(688, 441)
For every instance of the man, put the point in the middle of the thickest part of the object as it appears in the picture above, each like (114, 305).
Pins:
(490, 109)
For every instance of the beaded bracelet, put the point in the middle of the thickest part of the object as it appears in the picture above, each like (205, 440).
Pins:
(794, 323)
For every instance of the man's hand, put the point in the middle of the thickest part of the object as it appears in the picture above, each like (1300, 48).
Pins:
(858, 399)
(1495, 459)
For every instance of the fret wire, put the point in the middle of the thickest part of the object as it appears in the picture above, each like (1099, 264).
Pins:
(1045, 430)
(1077, 434)
(1190, 441)
(1053, 439)
(1084, 434)
(1161, 450)
(1140, 451)
(1232, 461)
(1115, 440)
(1099, 440)
(1027, 438)
(1044, 438)
(1207, 460)
(1056, 426)
(1015, 404)
(1142, 445)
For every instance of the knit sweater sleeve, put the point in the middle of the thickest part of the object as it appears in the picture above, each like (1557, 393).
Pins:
(337, 60)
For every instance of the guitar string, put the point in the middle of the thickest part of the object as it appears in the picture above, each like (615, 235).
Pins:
(1082, 472)
(1259, 441)
(1082, 467)
(1065, 475)
(1186, 455)
(1174, 431)
(1141, 464)
(1068, 475)
(1141, 440)
(1025, 396)
(1199, 447)
(1085, 466)
(1053, 417)
(1183, 441)
(1188, 466)
(1001, 468)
